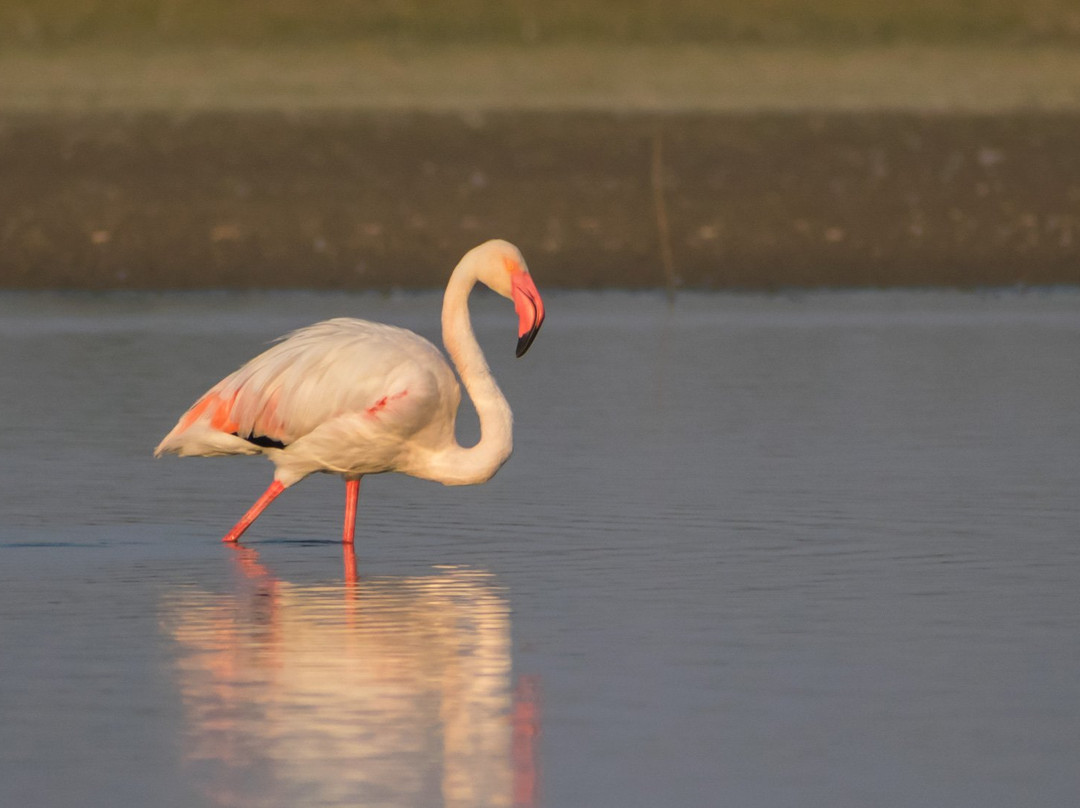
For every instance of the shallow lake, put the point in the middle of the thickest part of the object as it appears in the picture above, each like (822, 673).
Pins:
(809, 550)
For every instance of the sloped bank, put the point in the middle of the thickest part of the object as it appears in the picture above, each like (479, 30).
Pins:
(362, 200)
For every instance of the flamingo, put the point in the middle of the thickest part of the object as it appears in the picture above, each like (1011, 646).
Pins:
(352, 397)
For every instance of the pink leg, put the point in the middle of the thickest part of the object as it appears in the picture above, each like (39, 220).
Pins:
(352, 493)
(268, 496)
(349, 556)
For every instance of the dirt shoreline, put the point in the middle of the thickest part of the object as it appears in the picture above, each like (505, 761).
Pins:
(149, 200)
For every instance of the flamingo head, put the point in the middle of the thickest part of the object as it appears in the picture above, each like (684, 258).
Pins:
(504, 270)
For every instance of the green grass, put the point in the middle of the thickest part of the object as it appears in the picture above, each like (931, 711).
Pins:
(151, 23)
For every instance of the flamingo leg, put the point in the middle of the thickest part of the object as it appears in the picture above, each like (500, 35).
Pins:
(269, 495)
(351, 573)
(352, 494)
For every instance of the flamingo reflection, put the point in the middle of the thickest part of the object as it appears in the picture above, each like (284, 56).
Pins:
(387, 691)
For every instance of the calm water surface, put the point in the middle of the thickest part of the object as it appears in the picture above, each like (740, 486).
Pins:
(750, 551)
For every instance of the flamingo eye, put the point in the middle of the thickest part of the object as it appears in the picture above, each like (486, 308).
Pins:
(511, 265)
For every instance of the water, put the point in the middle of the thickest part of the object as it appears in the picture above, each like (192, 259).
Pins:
(755, 551)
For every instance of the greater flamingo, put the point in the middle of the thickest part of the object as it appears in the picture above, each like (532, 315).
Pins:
(351, 397)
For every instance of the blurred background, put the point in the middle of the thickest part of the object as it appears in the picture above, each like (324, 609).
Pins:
(627, 143)
(776, 22)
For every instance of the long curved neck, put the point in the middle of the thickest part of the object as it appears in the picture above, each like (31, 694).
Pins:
(459, 465)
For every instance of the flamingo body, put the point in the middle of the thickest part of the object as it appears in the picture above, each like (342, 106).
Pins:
(345, 396)
(352, 397)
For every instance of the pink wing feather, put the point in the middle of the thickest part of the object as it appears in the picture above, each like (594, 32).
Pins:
(314, 375)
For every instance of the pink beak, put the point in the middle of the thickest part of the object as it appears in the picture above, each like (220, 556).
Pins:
(529, 308)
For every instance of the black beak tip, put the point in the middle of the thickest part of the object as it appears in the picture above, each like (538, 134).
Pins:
(525, 340)
(523, 345)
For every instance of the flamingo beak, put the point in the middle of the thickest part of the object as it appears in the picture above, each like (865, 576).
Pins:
(529, 308)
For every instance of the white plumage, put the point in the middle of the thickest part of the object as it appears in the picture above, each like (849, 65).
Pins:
(352, 397)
